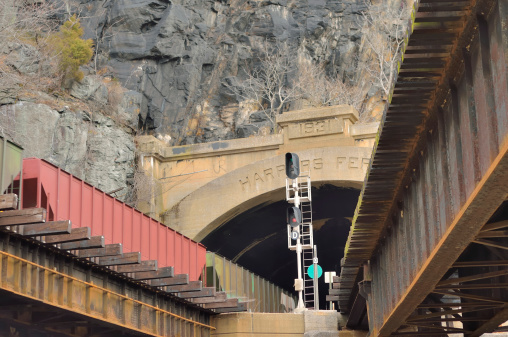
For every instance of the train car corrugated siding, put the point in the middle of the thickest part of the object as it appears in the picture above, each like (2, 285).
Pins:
(69, 198)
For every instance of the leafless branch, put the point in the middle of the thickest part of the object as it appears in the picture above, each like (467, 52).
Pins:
(319, 89)
(26, 60)
(269, 84)
(385, 26)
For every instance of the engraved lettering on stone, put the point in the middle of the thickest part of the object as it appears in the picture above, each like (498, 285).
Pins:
(218, 164)
(280, 168)
(354, 162)
(320, 126)
(309, 128)
(315, 128)
(244, 182)
(341, 161)
(318, 163)
(268, 172)
(365, 163)
(257, 177)
(305, 165)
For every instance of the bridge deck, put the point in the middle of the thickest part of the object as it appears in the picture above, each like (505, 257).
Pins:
(48, 292)
(60, 280)
(437, 181)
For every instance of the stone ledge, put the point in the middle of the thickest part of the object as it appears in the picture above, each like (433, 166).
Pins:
(362, 131)
(151, 145)
(343, 111)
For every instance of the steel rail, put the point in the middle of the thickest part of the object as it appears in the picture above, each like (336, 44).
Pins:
(99, 288)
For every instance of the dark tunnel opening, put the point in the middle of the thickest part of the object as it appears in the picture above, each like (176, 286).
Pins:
(257, 239)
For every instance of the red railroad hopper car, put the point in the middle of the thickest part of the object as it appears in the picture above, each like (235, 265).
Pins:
(66, 197)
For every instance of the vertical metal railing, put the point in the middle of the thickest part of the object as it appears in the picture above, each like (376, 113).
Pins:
(236, 281)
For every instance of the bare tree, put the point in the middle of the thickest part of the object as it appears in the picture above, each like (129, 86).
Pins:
(271, 83)
(143, 189)
(22, 19)
(319, 89)
(26, 59)
(281, 77)
(385, 27)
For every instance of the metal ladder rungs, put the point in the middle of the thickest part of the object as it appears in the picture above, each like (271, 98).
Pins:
(303, 187)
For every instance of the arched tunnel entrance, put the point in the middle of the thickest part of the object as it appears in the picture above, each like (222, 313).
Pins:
(257, 238)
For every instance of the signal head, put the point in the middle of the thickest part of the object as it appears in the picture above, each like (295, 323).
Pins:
(294, 216)
(292, 165)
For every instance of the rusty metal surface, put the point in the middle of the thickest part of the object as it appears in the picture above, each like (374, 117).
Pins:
(78, 294)
(439, 168)
(421, 276)
(69, 198)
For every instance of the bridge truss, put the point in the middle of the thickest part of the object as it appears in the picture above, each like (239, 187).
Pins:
(56, 280)
(428, 247)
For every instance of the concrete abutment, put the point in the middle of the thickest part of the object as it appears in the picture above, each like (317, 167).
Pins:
(320, 323)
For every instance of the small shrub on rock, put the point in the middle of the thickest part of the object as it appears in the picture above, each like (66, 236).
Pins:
(72, 50)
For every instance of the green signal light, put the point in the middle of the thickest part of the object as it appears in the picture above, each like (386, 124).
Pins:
(310, 271)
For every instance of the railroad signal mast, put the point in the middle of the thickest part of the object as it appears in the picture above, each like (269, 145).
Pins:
(300, 232)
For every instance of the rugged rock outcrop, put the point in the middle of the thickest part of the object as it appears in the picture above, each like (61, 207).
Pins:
(176, 53)
(93, 147)
(88, 132)
(159, 69)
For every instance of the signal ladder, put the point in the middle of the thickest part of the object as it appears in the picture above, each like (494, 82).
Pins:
(307, 240)
(308, 283)
(303, 186)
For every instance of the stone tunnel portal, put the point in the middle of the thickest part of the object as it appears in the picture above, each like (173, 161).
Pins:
(230, 195)
(257, 238)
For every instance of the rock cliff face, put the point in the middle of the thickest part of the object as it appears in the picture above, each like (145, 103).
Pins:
(91, 146)
(170, 59)
(177, 53)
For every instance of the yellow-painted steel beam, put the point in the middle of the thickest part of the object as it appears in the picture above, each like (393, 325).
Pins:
(100, 298)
